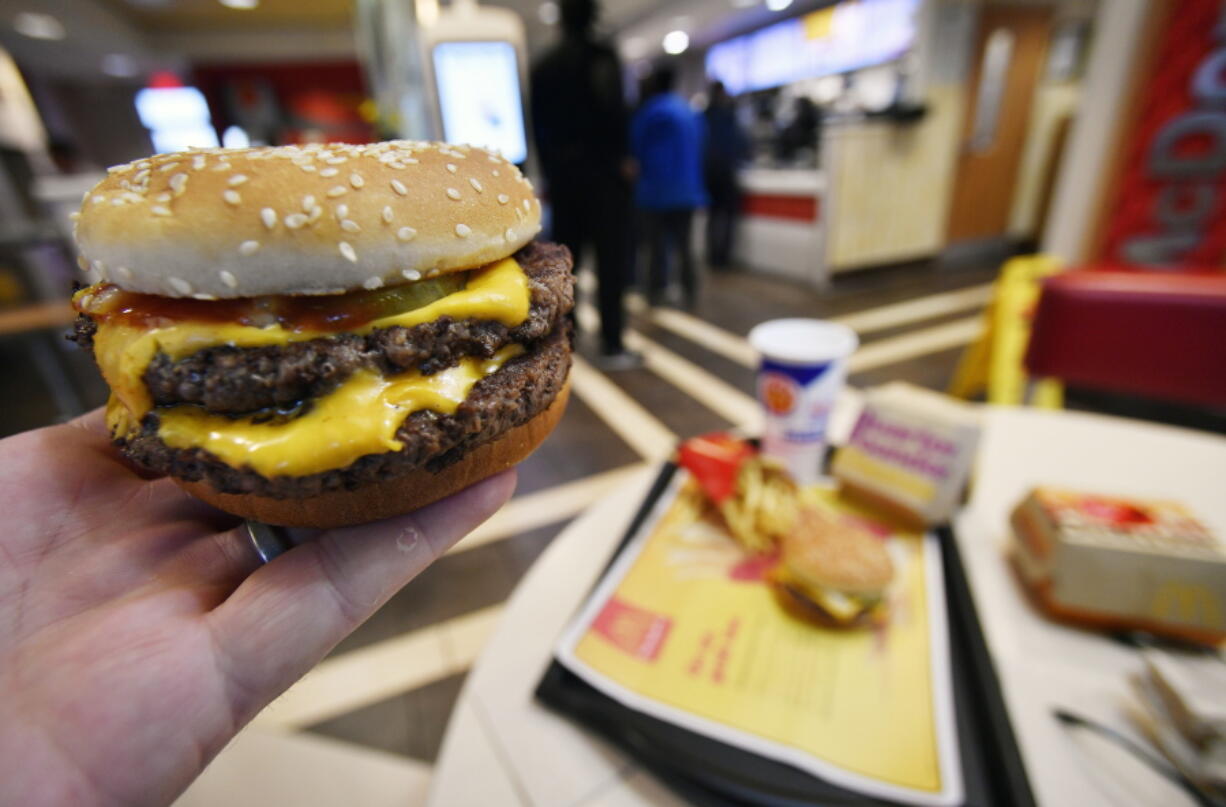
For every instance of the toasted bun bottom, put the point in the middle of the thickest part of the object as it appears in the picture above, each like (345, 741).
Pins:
(801, 607)
(391, 497)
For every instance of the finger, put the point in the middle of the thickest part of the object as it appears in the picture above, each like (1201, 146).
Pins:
(287, 615)
(219, 560)
(93, 422)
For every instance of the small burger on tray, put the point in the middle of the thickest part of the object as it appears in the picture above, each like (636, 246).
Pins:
(832, 573)
(327, 334)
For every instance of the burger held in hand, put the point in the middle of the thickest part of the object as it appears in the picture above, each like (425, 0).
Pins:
(324, 335)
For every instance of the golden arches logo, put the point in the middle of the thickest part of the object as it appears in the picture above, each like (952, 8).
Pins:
(1186, 602)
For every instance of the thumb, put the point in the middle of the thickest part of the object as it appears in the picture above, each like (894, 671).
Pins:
(288, 614)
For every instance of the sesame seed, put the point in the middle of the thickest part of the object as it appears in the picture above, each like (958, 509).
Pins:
(527, 205)
(198, 162)
(337, 160)
(248, 247)
(118, 202)
(308, 167)
(372, 283)
(329, 172)
(503, 198)
(307, 203)
(232, 197)
(228, 278)
(124, 272)
(314, 214)
(162, 197)
(350, 226)
(178, 183)
(399, 187)
(339, 190)
(496, 172)
(180, 285)
(295, 220)
(387, 214)
(237, 179)
(476, 184)
(509, 234)
(452, 193)
(411, 274)
(98, 200)
(342, 211)
(452, 167)
(160, 210)
(406, 233)
(356, 180)
(170, 166)
(204, 296)
(410, 161)
(269, 217)
(347, 250)
(463, 230)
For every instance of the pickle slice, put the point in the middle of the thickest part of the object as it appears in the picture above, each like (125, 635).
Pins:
(418, 294)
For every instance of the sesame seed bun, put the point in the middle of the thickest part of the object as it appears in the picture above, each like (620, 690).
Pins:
(824, 553)
(317, 219)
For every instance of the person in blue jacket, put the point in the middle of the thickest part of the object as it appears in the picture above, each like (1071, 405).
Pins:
(666, 139)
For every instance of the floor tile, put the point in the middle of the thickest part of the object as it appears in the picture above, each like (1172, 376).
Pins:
(262, 768)
(454, 585)
(410, 724)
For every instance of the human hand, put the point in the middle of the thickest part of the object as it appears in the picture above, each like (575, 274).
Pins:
(138, 630)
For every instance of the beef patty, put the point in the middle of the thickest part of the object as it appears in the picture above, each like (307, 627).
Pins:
(519, 390)
(231, 380)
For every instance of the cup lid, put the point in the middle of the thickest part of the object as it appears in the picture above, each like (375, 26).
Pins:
(803, 341)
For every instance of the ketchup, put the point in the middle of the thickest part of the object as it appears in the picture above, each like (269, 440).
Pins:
(327, 313)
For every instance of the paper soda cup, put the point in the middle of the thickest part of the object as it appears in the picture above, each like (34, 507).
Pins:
(803, 365)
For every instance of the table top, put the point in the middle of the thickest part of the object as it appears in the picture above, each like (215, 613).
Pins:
(502, 747)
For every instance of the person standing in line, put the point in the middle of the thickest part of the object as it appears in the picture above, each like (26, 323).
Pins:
(666, 139)
(580, 123)
(726, 149)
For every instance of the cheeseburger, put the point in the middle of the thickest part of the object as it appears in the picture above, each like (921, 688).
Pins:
(328, 334)
(832, 573)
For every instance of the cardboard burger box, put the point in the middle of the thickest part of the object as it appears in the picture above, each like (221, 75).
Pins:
(1121, 563)
(909, 454)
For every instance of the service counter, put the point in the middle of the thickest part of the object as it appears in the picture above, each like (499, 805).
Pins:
(879, 196)
(781, 229)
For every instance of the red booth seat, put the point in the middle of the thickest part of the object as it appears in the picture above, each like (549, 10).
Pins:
(1160, 335)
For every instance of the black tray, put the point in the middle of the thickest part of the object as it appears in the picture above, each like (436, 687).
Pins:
(707, 772)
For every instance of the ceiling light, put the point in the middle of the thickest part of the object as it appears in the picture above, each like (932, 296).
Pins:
(38, 26)
(778, 5)
(119, 65)
(245, 5)
(676, 42)
(549, 12)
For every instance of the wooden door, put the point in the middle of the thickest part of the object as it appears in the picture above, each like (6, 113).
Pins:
(1008, 60)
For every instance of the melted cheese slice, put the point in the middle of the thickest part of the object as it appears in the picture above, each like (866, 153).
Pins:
(842, 606)
(360, 417)
(496, 292)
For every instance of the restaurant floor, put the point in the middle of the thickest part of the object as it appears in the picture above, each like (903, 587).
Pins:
(391, 685)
